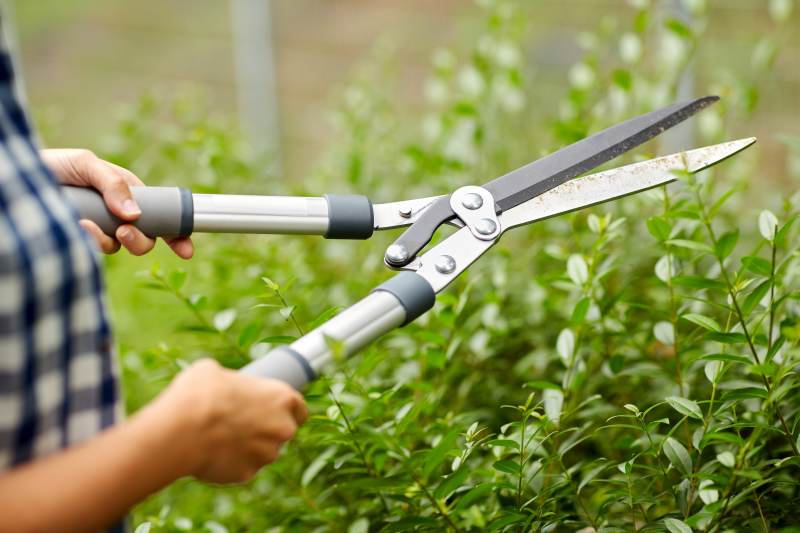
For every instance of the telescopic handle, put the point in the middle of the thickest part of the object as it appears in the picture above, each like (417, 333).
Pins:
(166, 211)
(393, 304)
(173, 211)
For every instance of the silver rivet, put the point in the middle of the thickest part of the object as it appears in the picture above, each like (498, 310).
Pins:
(445, 264)
(472, 201)
(405, 212)
(486, 226)
(397, 254)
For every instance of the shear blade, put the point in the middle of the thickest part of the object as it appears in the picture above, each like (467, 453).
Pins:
(551, 171)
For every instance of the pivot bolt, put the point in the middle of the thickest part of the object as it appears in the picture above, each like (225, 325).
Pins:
(405, 212)
(486, 226)
(397, 254)
(472, 201)
(445, 264)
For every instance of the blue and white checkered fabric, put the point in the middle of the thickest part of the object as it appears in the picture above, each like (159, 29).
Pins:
(58, 380)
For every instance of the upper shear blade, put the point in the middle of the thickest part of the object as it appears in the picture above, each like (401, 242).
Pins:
(551, 171)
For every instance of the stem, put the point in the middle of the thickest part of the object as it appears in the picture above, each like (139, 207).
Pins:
(359, 450)
(772, 294)
(760, 512)
(436, 504)
(201, 317)
(743, 321)
(672, 306)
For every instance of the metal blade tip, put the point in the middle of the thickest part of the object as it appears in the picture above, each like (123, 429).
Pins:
(702, 158)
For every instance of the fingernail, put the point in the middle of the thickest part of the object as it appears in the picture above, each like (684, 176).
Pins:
(124, 234)
(130, 207)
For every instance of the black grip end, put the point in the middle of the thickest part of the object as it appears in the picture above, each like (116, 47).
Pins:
(413, 292)
(349, 217)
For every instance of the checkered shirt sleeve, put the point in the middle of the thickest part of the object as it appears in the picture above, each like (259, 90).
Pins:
(58, 380)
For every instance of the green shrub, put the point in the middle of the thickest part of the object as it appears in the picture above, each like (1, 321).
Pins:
(626, 367)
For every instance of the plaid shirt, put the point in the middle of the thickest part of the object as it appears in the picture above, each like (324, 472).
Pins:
(58, 380)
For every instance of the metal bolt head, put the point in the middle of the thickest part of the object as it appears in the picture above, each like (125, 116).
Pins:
(486, 226)
(405, 212)
(397, 254)
(472, 201)
(445, 264)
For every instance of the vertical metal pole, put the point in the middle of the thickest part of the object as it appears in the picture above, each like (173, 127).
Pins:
(254, 62)
(682, 136)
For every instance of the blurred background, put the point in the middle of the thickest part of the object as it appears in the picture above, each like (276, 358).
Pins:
(273, 66)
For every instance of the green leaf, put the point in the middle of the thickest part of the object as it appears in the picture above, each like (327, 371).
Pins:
(177, 278)
(538, 384)
(729, 357)
(691, 245)
(323, 317)
(679, 28)
(726, 337)
(249, 334)
(678, 456)
(271, 285)
(726, 244)
(278, 339)
(507, 520)
(591, 475)
(436, 456)
(224, 319)
(745, 393)
(451, 483)
(674, 525)
(726, 459)
(767, 224)
(685, 406)
(360, 525)
(316, 466)
(580, 310)
(699, 282)
(702, 321)
(659, 228)
(475, 493)
(505, 443)
(577, 269)
(755, 297)
(757, 265)
(508, 466)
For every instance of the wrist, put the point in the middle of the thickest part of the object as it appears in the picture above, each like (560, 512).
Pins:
(171, 435)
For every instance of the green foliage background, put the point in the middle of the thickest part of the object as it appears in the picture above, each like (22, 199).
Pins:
(627, 367)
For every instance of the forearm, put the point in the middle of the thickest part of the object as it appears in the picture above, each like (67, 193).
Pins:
(90, 486)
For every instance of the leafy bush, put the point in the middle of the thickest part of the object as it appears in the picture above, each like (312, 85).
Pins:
(631, 366)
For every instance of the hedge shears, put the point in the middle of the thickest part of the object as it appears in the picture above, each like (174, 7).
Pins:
(545, 188)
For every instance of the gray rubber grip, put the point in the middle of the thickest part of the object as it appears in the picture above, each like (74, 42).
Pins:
(414, 293)
(166, 211)
(350, 216)
(284, 364)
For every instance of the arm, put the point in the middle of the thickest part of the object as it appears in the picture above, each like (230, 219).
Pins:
(83, 168)
(212, 423)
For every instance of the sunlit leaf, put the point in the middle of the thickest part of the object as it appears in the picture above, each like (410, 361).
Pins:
(685, 406)
(678, 456)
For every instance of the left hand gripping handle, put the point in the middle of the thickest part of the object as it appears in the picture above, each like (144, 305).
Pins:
(393, 304)
(166, 211)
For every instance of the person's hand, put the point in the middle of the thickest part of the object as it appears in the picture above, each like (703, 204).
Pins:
(230, 424)
(83, 168)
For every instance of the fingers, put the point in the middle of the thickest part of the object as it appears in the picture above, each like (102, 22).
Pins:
(106, 244)
(136, 242)
(112, 181)
(182, 247)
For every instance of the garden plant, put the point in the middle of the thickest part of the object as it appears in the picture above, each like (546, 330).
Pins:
(630, 367)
